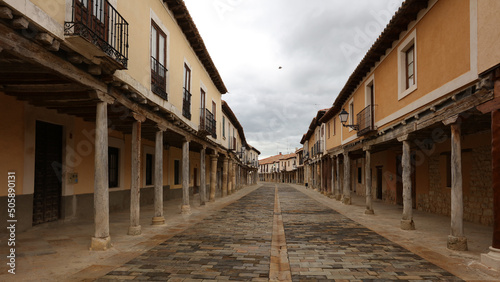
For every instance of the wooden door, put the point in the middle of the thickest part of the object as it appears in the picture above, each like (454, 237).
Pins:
(379, 182)
(48, 163)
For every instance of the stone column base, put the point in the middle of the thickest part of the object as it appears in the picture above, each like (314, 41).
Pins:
(368, 211)
(186, 209)
(100, 244)
(457, 243)
(160, 220)
(346, 200)
(134, 230)
(338, 197)
(407, 224)
(491, 259)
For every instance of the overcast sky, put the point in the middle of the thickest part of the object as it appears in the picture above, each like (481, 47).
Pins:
(317, 44)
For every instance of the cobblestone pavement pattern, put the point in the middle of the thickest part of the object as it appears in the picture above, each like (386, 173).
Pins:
(325, 245)
(235, 242)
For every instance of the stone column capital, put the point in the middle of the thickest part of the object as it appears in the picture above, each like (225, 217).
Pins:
(161, 127)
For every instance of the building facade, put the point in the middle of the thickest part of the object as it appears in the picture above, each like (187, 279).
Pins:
(108, 104)
(416, 124)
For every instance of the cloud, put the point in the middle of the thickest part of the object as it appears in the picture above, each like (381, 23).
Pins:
(317, 43)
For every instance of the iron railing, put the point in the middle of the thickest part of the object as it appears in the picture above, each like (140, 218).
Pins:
(365, 120)
(158, 79)
(98, 22)
(207, 123)
(186, 104)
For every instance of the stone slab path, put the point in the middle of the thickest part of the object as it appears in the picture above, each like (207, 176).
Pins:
(310, 242)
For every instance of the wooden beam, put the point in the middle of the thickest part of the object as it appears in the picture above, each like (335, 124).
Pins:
(6, 13)
(45, 88)
(20, 23)
(44, 38)
(35, 54)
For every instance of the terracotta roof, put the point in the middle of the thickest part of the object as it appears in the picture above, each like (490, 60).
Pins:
(407, 13)
(270, 160)
(289, 156)
(184, 20)
(231, 116)
(314, 123)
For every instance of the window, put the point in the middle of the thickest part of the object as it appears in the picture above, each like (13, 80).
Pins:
(149, 169)
(113, 167)
(224, 126)
(351, 114)
(407, 65)
(329, 129)
(410, 67)
(177, 172)
(158, 61)
(186, 100)
(333, 126)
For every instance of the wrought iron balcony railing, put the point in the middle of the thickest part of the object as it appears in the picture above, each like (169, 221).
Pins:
(186, 104)
(98, 22)
(158, 79)
(207, 123)
(365, 121)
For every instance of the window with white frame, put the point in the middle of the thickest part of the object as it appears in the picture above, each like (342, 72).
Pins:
(407, 65)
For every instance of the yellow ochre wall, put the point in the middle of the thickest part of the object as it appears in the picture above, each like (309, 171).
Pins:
(448, 20)
(54, 8)
(137, 14)
(488, 34)
(11, 141)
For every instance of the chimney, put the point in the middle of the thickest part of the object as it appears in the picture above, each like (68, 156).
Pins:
(280, 153)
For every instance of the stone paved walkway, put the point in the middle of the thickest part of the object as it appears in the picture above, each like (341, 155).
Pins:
(235, 244)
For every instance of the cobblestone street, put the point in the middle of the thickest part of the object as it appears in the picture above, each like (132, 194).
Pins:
(235, 244)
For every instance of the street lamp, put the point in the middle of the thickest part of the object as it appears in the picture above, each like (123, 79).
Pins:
(343, 119)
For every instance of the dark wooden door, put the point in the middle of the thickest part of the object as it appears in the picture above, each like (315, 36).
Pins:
(94, 15)
(48, 163)
(379, 182)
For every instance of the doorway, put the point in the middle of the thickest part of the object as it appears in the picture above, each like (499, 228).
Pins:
(48, 169)
(379, 182)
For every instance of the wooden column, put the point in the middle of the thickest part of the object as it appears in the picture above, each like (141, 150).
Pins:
(203, 176)
(338, 194)
(492, 258)
(135, 188)
(186, 208)
(225, 167)
(456, 240)
(213, 176)
(230, 183)
(368, 180)
(407, 219)
(158, 218)
(101, 240)
(346, 196)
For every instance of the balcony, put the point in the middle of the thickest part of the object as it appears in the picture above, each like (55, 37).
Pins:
(158, 79)
(186, 104)
(207, 123)
(99, 24)
(365, 121)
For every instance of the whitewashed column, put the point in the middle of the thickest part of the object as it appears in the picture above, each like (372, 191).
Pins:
(101, 240)
(407, 219)
(186, 208)
(158, 218)
(456, 240)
